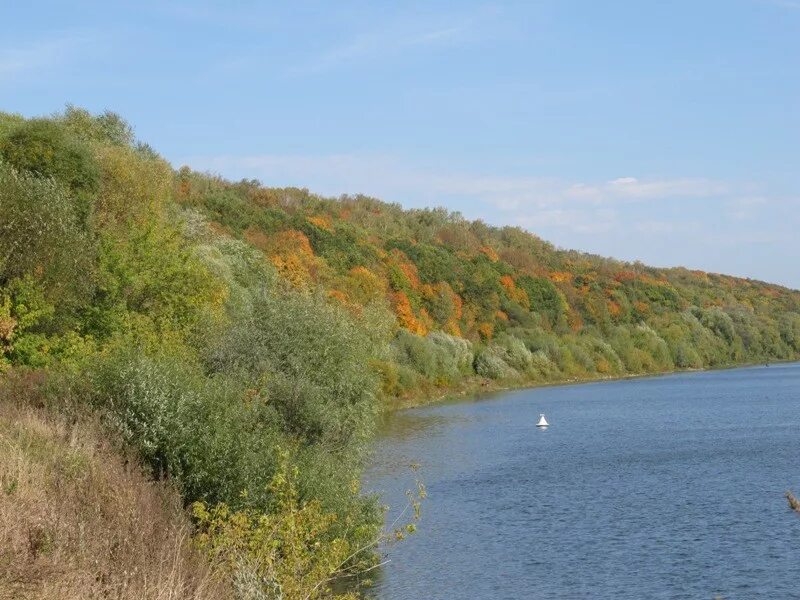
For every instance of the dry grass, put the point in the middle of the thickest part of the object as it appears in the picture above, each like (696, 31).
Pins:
(79, 521)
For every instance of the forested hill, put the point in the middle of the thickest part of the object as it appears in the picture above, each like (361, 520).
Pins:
(501, 303)
(243, 341)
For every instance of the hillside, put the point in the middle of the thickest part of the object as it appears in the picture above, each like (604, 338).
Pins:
(499, 303)
(242, 341)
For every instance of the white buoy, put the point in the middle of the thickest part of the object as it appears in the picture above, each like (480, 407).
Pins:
(542, 421)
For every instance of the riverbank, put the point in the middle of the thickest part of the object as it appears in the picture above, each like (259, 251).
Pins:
(477, 387)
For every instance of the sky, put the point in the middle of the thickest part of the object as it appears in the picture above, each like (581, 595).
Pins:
(660, 131)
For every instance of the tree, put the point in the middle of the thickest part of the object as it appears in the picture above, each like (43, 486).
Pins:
(43, 147)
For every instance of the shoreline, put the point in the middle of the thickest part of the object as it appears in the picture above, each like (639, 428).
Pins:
(477, 388)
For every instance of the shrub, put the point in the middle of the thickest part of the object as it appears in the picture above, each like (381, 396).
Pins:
(514, 353)
(41, 236)
(44, 148)
(489, 363)
(439, 357)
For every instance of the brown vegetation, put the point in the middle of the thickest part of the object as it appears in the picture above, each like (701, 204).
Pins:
(77, 521)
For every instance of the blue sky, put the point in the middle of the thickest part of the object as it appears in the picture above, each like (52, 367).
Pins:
(660, 131)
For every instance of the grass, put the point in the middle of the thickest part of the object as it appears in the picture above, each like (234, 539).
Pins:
(77, 520)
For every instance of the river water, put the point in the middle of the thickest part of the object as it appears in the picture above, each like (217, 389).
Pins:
(664, 487)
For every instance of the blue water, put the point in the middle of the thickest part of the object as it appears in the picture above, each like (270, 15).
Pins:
(666, 487)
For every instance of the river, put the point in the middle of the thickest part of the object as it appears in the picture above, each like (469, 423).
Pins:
(662, 487)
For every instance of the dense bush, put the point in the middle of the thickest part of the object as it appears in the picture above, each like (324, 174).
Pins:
(490, 363)
(44, 148)
(439, 357)
(41, 235)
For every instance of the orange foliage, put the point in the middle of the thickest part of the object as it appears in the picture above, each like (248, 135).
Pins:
(408, 268)
(339, 296)
(641, 307)
(501, 315)
(516, 294)
(458, 307)
(508, 282)
(623, 276)
(321, 221)
(486, 330)
(294, 241)
(405, 314)
(614, 309)
(490, 252)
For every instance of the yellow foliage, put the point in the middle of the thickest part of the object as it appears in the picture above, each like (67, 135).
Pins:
(603, 366)
(132, 188)
(292, 267)
(287, 553)
(453, 329)
(561, 276)
(362, 286)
